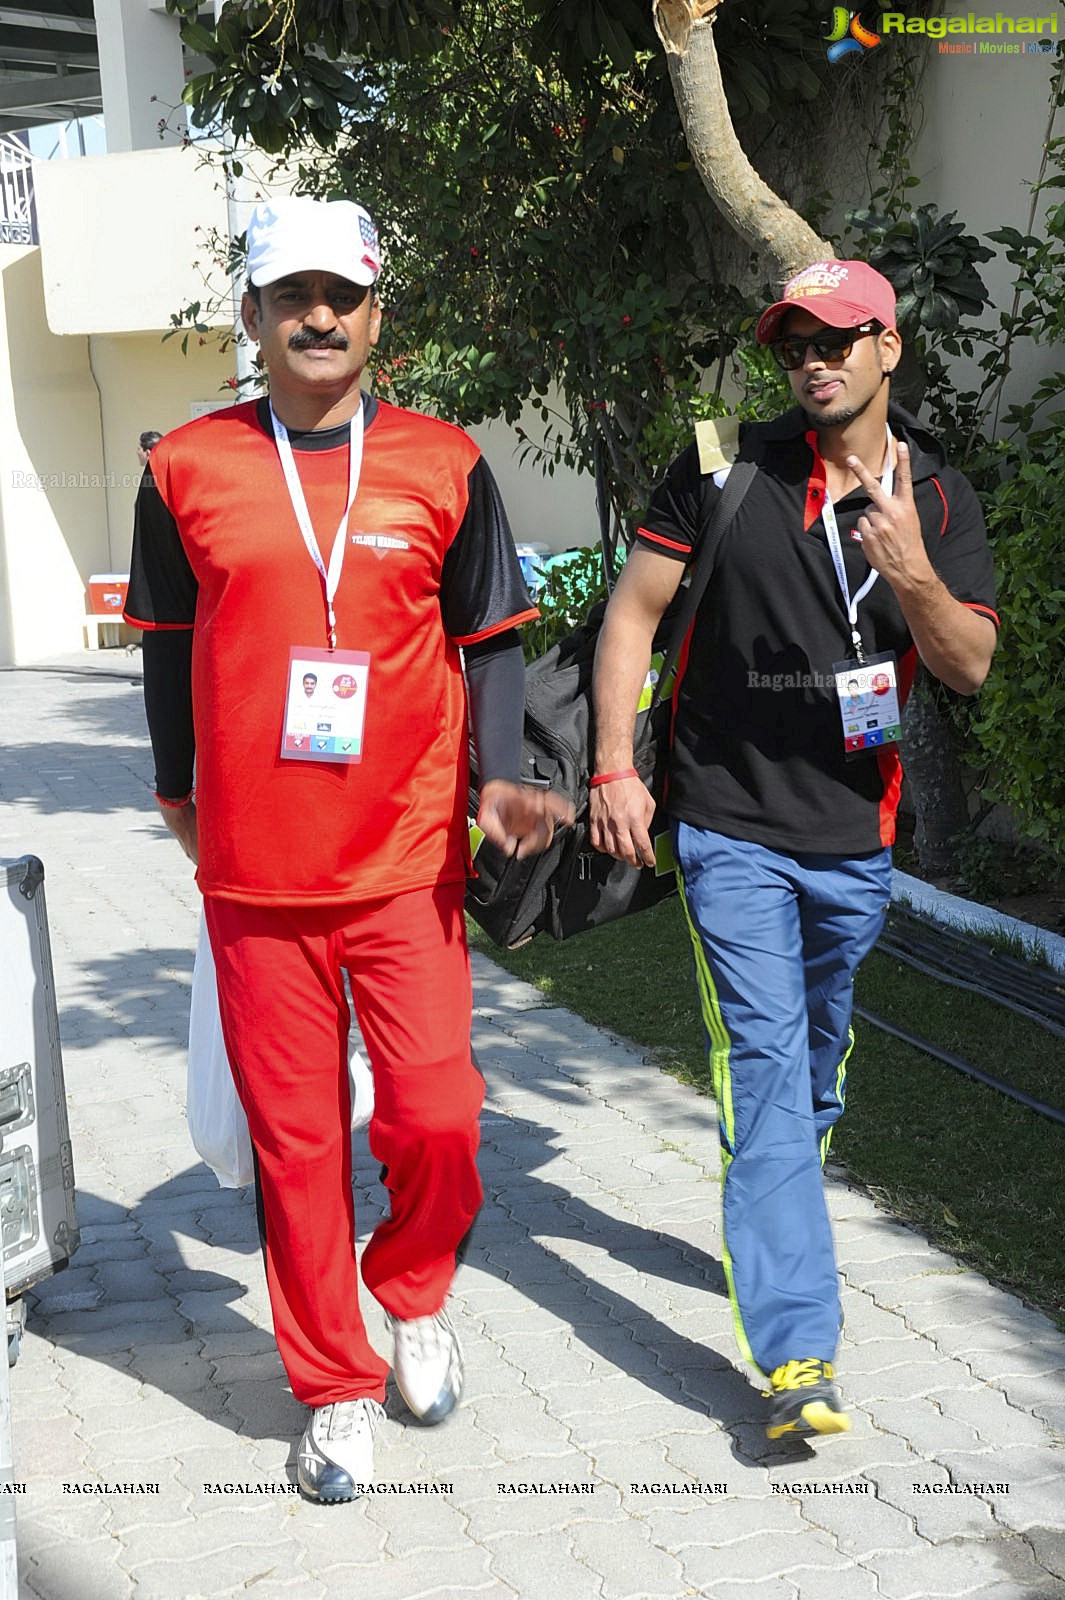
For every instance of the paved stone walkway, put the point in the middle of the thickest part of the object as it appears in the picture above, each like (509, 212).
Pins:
(592, 1309)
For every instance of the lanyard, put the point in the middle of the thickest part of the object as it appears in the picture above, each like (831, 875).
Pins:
(835, 547)
(330, 578)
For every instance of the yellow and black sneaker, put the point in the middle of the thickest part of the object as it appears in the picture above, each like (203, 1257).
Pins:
(805, 1401)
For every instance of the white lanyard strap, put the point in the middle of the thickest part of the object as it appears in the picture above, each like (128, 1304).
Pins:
(835, 548)
(330, 577)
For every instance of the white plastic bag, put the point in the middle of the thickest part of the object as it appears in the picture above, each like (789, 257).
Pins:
(218, 1126)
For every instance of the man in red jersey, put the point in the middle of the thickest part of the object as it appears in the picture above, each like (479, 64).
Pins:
(857, 550)
(323, 534)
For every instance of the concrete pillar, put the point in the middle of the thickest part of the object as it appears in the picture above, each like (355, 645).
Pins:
(140, 58)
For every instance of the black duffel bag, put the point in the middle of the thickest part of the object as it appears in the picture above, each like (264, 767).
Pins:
(571, 886)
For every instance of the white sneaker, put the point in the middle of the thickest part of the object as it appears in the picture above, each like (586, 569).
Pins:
(335, 1460)
(427, 1364)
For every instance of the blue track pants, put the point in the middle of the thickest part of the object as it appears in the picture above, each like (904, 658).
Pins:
(777, 940)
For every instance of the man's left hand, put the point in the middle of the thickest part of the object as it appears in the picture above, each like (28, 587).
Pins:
(890, 533)
(521, 820)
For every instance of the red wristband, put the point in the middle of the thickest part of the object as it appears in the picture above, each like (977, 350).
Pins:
(174, 805)
(611, 777)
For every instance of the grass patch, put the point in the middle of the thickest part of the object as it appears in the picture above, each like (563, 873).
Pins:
(976, 1173)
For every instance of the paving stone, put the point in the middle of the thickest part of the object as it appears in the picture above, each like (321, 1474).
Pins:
(247, 1522)
(51, 1447)
(755, 1560)
(881, 1356)
(122, 1319)
(716, 1522)
(767, 1589)
(855, 1582)
(923, 1425)
(564, 1363)
(418, 1523)
(449, 1575)
(531, 1434)
(847, 1456)
(231, 1568)
(705, 1453)
(299, 1587)
(1032, 1505)
(994, 1420)
(910, 1380)
(536, 1572)
(1048, 1590)
(859, 1523)
(658, 1420)
(631, 1566)
(87, 1570)
(1020, 1467)
(936, 1516)
(865, 1320)
(942, 1572)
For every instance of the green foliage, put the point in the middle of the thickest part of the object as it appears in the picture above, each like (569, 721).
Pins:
(928, 259)
(546, 244)
(572, 585)
(282, 72)
(546, 236)
(1022, 705)
(1021, 710)
(988, 869)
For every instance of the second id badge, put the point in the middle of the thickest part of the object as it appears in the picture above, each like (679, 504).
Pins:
(868, 696)
(325, 705)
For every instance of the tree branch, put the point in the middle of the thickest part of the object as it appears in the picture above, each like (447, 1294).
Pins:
(749, 205)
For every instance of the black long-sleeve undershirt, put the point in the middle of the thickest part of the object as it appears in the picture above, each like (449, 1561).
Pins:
(167, 656)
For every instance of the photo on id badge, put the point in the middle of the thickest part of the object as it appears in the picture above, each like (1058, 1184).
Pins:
(868, 696)
(325, 705)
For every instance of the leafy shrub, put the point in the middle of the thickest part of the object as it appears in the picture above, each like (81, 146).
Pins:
(1021, 710)
(570, 588)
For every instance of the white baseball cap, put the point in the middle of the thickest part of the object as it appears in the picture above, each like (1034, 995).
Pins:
(295, 233)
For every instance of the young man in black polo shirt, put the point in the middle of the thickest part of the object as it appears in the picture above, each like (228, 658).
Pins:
(856, 552)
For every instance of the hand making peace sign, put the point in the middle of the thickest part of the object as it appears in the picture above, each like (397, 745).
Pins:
(890, 533)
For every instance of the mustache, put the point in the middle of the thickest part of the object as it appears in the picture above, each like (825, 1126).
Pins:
(307, 339)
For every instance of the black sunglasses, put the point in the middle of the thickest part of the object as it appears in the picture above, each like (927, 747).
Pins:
(831, 344)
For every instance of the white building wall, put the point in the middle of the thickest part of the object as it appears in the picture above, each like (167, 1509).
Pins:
(71, 409)
(53, 514)
(984, 119)
(144, 384)
(127, 239)
(558, 511)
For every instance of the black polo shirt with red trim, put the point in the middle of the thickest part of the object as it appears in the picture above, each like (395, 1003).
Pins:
(758, 747)
(429, 566)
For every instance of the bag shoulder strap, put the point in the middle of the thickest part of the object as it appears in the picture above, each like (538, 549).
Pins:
(741, 476)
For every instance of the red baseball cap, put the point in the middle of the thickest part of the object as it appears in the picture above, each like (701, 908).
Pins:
(841, 293)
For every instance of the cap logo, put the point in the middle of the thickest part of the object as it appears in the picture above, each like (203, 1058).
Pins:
(368, 232)
(824, 277)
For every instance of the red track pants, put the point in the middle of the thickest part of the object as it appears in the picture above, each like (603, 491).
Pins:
(285, 1021)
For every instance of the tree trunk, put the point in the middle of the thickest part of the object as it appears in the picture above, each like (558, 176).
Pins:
(685, 28)
(928, 750)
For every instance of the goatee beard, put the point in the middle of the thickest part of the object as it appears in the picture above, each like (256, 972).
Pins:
(822, 421)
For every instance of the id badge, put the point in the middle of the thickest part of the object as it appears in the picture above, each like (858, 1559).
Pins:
(325, 705)
(868, 696)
